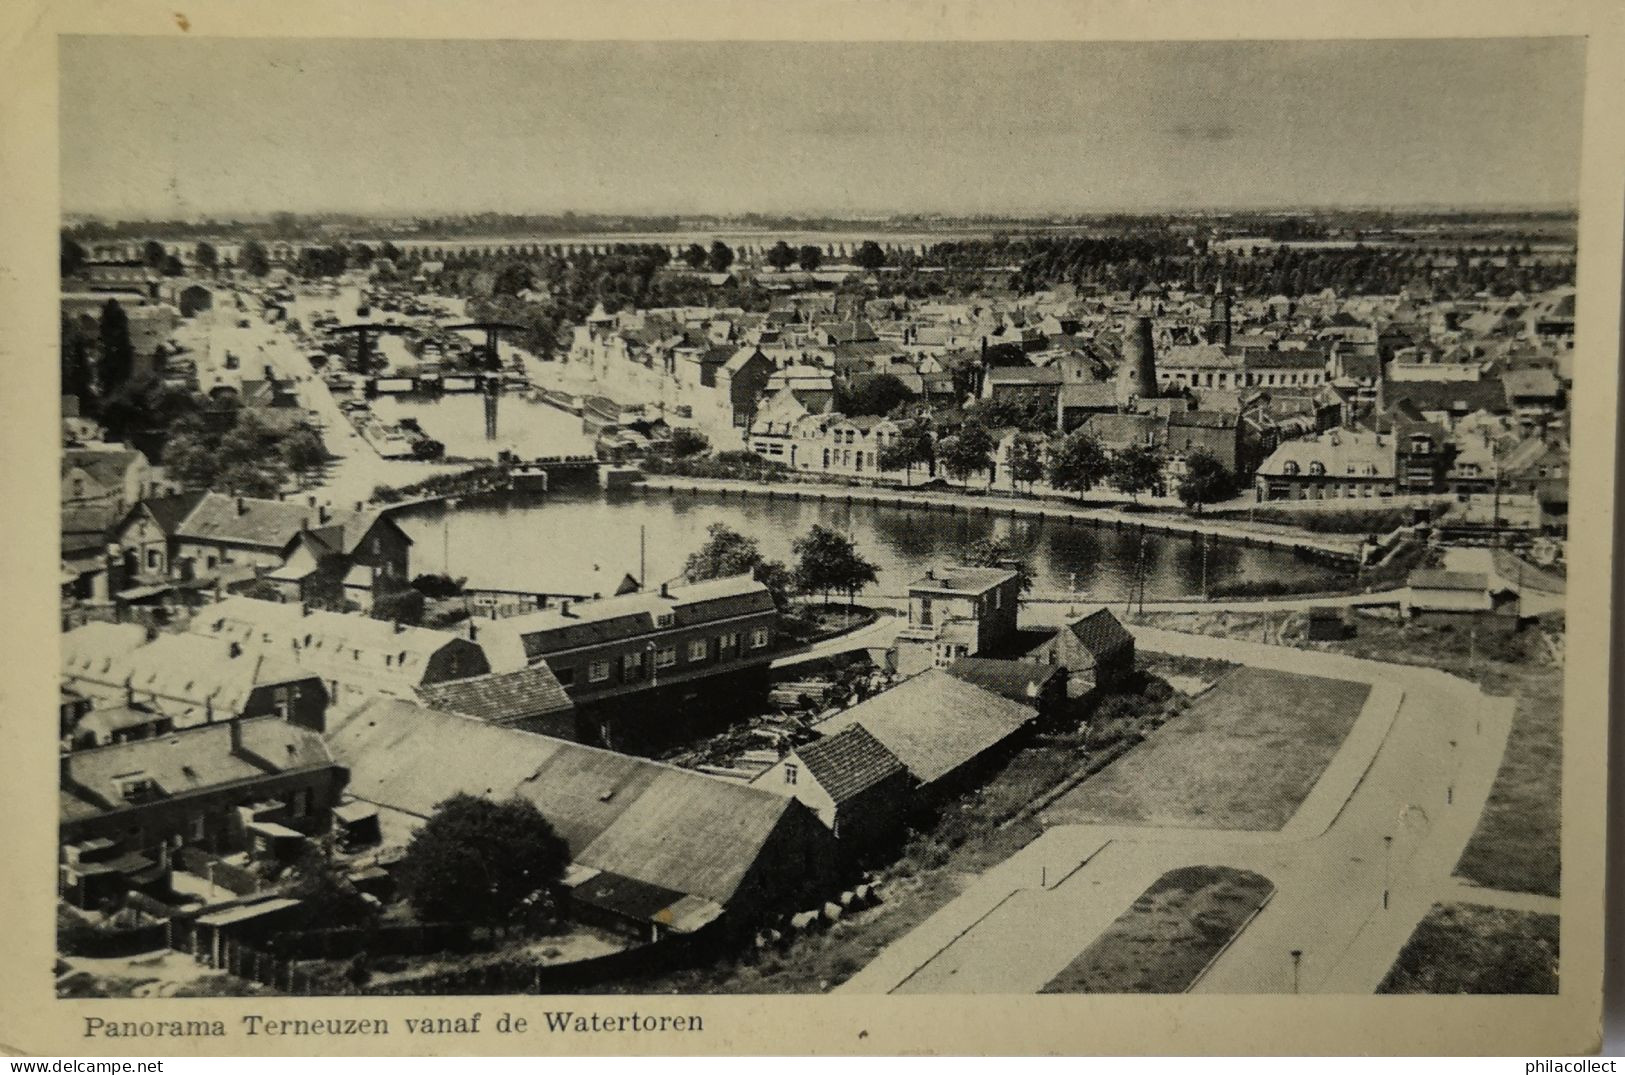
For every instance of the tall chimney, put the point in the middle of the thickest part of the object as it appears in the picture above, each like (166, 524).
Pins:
(1137, 376)
(242, 506)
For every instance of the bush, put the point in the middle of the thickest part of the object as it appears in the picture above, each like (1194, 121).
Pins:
(439, 586)
(686, 442)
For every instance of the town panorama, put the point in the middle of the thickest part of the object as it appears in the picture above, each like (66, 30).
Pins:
(905, 603)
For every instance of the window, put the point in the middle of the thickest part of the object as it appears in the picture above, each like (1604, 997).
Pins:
(665, 658)
(789, 774)
(698, 650)
(197, 827)
(729, 641)
(665, 619)
(631, 665)
(758, 638)
(281, 702)
(1289, 467)
(565, 676)
(597, 671)
(1317, 468)
(998, 600)
(152, 557)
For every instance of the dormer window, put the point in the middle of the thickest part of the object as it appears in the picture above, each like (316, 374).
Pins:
(1289, 467)
(1317, 469)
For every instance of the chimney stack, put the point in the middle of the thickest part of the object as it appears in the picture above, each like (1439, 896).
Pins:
(242, 506)
(322, 514)
(399, 626)
(473, 631)
(665, 589)
(564, 607)
(235, 649)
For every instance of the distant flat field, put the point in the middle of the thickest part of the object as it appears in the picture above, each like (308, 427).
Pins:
(1243, 756)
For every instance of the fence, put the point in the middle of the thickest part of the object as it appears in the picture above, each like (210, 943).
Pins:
(233, 879)
(94, 943)
(399, 940)
(523, 976)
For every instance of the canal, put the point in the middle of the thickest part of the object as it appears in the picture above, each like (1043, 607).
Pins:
(586, 542)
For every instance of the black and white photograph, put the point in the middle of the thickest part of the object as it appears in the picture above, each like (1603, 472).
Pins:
(853, 518)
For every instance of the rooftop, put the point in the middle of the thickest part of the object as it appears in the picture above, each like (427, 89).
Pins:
(960, 578)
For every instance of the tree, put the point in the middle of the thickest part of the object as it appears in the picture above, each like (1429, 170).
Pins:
(720, 257)
(1078, 463)
(153, 254)
(1025, 461)
(869, 256)
(781, 257)
(970, 451)
(78, 379)
(827, 560)
(72, 259)
(427, 448)
(255, 261)
(117, 357)
(404, 604)
(481, 861)
(1137, 469)
(511, 279)
(327, 896)
(206, 256)
(438, 586)
(998, 552)
(727, 553)
(878, 393)
(809, 257)
(1205, 480)
(302, 450)
(911, 446)
(686, 442)
(694, 256)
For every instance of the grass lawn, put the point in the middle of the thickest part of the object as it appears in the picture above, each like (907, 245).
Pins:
(1517, 843)
(966, 837)
(1242, 756)
(1462, 948)
(1164, 942)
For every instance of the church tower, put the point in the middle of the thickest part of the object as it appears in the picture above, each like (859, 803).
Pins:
(1137, 376)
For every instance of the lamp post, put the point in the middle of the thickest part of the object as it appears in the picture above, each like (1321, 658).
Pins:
(1450, 789)
(1387, 860)
(1297, 960)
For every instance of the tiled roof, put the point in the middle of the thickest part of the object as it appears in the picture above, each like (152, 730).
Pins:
(107, 467)
(1020, 681)
(675, 828)
(338, 646)
(189, 761)
(269, 524)
(591, 622)
(849, 762)
(501, 697)
(934, 723)
(183, 676)
(1087, 394)
(1100, 633)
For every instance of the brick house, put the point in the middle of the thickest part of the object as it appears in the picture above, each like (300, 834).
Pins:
(1096, 651)
(851, 781)
(957, 612)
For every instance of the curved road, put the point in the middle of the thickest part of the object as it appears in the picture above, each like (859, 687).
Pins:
(1417, 767)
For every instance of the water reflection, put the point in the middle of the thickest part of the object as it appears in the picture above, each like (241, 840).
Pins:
(598, 538)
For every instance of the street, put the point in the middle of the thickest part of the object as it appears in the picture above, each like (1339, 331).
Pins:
(1416, 768)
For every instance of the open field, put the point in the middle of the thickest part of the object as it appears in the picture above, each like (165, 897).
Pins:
(1516, 845)
(1242, 756)
(1462, 948)
(1164, 942)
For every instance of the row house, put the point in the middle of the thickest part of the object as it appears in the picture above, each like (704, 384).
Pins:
(125, 809)
(354, 657)
(1334, 465)
(178, 681)
(637, 642)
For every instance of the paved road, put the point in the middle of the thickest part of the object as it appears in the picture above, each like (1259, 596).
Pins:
(1397, 775)
(881, 633)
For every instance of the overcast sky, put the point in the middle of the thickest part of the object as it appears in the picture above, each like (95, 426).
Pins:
(190, 126)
